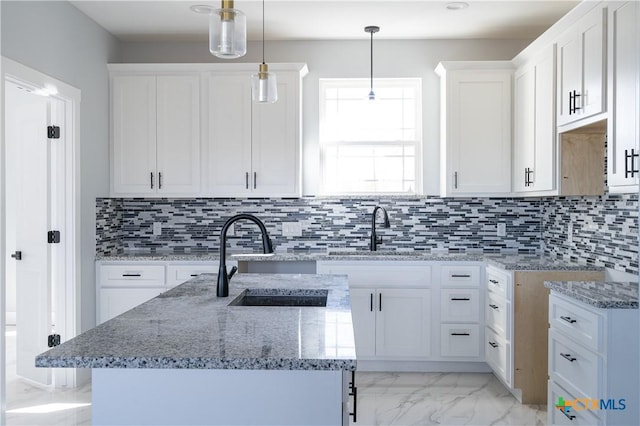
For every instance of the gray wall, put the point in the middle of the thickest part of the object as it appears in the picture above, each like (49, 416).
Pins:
(60, 41)
(350, 59)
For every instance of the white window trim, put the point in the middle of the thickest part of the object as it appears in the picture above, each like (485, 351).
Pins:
(325, 83)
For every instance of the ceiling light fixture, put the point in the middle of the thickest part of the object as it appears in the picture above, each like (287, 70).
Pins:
(457, 5)
(371, 29)
(227, 31)
(264, 86)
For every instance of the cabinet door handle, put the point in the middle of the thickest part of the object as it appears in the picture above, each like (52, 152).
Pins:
(575, 98)
(380, 302)
(455, 180)
(255, 179)
(493, 281)
(371, 302)
(493, 344)
(568, 357)
(570, 103)
(194, 275)
(151, 180)
(131, 275)
(493, 306)
(568, 319)
(159, 180)
(460, 334)
(246, 180)
(460, 276)
(456, 299)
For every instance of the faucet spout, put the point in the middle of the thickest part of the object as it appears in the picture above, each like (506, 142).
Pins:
(223, 277)
(375, 240)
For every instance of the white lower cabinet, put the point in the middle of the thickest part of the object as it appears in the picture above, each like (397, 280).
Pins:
(123, 285)
(460, 340)
(593, 363)
(363, 315)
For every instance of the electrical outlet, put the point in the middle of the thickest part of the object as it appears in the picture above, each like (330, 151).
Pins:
(291, 229)
(570, 233)
(501, 229)
(157, 228)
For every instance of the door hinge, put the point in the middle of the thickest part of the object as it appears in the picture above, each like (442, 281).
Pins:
(53, 237)
(53, 340)
(53, 132)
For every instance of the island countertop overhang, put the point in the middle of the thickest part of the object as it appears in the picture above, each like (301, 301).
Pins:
(188, 327)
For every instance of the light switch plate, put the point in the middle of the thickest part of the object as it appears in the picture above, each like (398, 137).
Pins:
(501, 229)
(291, 229)
(157, 228)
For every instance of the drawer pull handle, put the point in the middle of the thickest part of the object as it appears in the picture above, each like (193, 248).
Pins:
(568, 357)
(493, 306)
(568, 319)
(194, 275)
(131, 275)
(567, 415)
(456, 299)
(493, 344)
(493, 281)
(460, 276)
(371, 302)
(460, 334)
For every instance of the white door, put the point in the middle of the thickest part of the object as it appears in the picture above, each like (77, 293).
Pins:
(364, 320)
(568, 75)
(403, 323)
(592, 36)
(26, 129)
(524, 122)
(545, 126)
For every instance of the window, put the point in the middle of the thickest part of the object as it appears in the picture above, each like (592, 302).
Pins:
(369, 147)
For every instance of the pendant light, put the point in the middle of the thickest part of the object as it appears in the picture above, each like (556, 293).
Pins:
(371, 29)
(227, 32)
(264, 86)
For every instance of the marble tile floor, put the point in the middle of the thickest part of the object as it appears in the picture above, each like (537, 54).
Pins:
(383, 399)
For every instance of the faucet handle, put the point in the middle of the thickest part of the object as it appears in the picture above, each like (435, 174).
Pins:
(233, 271)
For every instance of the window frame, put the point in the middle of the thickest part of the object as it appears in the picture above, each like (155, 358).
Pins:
(329, 83)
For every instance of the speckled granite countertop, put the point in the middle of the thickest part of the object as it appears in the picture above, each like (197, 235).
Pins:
(189, 327)
(606, 295)
(510, 262)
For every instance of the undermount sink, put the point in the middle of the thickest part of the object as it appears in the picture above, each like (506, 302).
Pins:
(375, 253)
(281, 297)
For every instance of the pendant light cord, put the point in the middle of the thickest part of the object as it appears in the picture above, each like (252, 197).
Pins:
(263, 31)
(371, 88)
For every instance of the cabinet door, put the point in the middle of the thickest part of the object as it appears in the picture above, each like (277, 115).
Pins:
(593, 54)
(568, 74)
(133, 115)
(545, 164)
(364, 320)
(403, 323)
(115, 301)
(229, 147)
(178, 134)
(480, 129)
(276, 142)
(524, 127)
(623, 131)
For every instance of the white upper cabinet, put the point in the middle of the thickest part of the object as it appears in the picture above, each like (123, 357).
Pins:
(534, 155)
(475, 128)
(155, 123)
(623, 97)
(253, 149)
(581, 68)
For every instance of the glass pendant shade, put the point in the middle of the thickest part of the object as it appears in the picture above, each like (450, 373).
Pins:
(227, 32)
(264, 85)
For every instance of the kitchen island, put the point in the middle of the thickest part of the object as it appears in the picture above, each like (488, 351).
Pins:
(187, 357)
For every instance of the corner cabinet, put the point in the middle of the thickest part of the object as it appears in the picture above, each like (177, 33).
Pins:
(534, 148)
(253, 149)
(155, 138)
(623, 137)
(191, 130)
(582, 68)
(475, 140)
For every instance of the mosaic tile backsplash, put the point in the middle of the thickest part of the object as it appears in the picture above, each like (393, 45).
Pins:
(605, 229)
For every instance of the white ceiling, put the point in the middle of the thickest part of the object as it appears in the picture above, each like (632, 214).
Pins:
(159, 20)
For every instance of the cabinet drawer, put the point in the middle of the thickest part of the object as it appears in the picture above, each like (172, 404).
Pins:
(460, 340)
(131, 276)
(177, 274)
(498, 355)
(496, 314)
(460, 275)
(498, 282)
(571, 363)
(575, 321)
(115, 301)
(572, 417)
(459, 304)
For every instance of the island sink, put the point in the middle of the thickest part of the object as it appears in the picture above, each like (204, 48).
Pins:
(281, 297)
